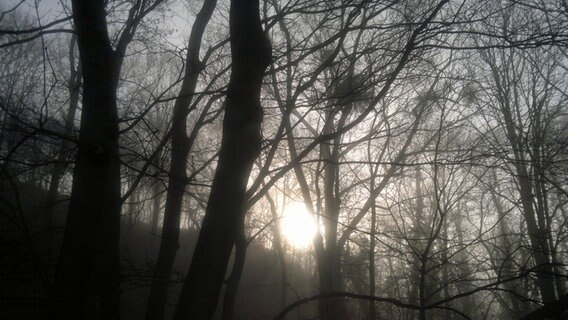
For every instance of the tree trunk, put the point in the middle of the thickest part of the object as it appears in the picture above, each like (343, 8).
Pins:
(65, 149)
(507, 269)
(372, 282)
(87, 275)
(538, 239)
(330, 281)
(542, 200)
(133, 207)
(156, 207)
(277, 243)
(240, 145)
(330, 269)
(181, 146)
(464, 269)
(418, 233)
(537, 234)
(235, 277)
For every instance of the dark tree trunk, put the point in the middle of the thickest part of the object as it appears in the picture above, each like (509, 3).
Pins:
(86, 281)
(330, 281)
(251, 54)
(181, 146)
(538, 238)
(235, 277)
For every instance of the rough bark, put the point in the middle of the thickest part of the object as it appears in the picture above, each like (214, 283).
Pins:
(240, 145)
(181, 146)
(86, 282)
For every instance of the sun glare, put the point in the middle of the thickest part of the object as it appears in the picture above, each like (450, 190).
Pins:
(297, 225)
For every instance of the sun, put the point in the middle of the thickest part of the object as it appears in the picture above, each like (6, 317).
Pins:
(298, 225)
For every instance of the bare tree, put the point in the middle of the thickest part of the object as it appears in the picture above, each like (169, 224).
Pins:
(88, 272)
(181, 145)
(226, 208)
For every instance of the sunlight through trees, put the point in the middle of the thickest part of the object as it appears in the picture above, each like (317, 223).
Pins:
(284, 159)
(298, 226)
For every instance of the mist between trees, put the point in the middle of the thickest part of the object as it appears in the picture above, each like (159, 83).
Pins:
(422, 144)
